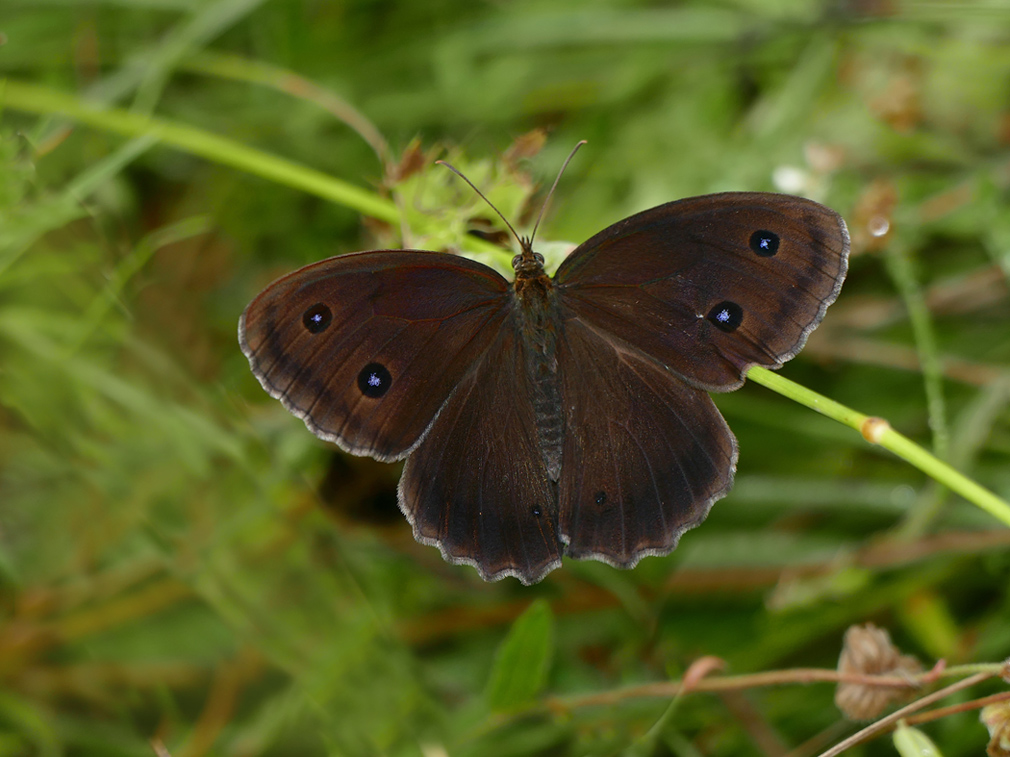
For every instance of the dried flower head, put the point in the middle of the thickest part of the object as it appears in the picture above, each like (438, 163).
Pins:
(867, 650)
(996, 718)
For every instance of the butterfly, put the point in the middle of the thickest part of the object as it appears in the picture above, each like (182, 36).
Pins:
(549, 416)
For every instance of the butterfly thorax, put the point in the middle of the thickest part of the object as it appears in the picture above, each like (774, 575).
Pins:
(536, 321)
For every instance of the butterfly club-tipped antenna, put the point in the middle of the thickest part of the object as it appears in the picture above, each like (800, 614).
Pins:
(525, 243)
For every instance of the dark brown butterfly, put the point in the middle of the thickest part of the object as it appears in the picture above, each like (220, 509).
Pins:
(549, 416)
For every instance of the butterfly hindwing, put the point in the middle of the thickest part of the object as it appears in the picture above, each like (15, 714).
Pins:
(477, 487)
(645, 454)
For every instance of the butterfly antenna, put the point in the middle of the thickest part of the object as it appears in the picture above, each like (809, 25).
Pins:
(553, 187)
(453, 168)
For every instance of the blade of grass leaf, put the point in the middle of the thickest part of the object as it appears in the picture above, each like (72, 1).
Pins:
(237, 68)
(210, 21)
(968, 438)
(142, 68)
(131, 265)
(900, 268)
(58, 211)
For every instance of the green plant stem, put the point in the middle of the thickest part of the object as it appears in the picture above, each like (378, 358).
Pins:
(28, 97)
(888, 438)
(33, 99)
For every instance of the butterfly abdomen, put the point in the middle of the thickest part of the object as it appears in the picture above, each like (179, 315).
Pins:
(550, 423)
(536, 321)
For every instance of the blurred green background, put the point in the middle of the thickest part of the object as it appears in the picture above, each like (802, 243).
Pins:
(181, 560)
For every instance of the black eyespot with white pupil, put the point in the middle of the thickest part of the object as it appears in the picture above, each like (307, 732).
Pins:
(726, 316)
(600, 497)
(764, 243)
(317, 318)
(374, 380)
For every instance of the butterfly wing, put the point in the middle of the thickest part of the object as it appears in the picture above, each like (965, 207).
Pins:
(367, 347)
(711, 285)
(477, 486)
(645, 454)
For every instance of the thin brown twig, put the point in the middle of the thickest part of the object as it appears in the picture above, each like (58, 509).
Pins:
(889, 721)
(956, 709)
(666, 689)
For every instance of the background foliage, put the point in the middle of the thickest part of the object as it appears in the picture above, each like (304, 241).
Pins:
(181, 560)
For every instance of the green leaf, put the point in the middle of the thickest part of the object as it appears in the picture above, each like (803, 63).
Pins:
(911, 742)
(522, 660)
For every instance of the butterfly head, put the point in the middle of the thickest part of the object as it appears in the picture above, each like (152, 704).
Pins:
(528, 264)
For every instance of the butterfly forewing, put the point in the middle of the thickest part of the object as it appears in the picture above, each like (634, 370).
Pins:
(711, 285)
(366, 348)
